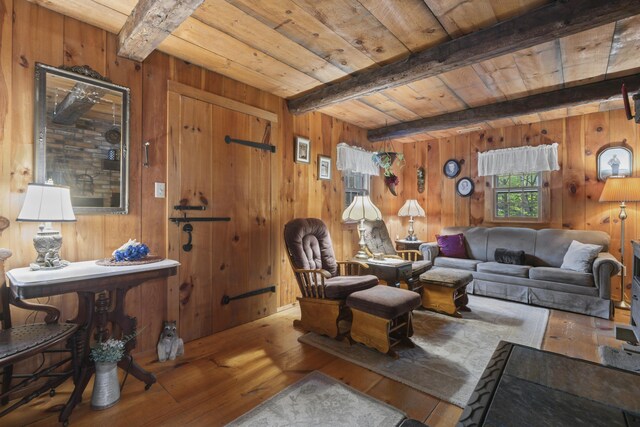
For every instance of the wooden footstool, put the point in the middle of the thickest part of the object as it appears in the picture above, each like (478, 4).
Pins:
(382, 317)
(445, 290)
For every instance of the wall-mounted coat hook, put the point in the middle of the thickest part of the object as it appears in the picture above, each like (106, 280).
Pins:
(145, 162)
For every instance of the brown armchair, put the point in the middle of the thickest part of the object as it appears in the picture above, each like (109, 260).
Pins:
(21, 342)
(377, 240)
(324, 283)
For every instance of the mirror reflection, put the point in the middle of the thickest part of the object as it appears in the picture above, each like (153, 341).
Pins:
(82, 137)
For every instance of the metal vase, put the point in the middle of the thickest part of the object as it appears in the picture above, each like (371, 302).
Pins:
(106, 388)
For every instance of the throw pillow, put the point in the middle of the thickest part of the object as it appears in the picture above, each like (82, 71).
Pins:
(580, 256)
(452, 246)
(506, 256)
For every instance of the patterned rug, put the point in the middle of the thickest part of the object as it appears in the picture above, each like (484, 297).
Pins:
(619, 358)
(319, 400)
(450, 353)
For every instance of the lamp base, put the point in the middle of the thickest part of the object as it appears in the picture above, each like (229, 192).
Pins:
(622, 305)
(411, 238)
(361, 255)
(47, 244)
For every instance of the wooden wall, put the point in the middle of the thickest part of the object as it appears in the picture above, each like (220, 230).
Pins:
(31, 34)
(575, 189)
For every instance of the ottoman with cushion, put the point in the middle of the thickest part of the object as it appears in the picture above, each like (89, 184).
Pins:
(444, 290)
(382, 317)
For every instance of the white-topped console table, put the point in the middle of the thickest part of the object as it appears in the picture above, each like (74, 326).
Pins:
(96, 287)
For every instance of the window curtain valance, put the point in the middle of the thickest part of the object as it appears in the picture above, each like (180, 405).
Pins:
(519, 160)
(354, 159)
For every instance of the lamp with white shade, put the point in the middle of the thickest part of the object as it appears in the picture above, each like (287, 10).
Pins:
(361, 209)
(621, 189)
(47, 203)
(411, 208)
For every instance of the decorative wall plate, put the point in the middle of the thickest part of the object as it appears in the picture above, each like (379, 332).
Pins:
(451, 168)
(420, 174)
(465, 187)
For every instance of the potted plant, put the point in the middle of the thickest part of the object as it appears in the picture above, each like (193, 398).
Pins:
(385, 160)
(106, 355)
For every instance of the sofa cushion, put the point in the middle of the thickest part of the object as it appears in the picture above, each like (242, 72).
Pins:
(460, 264)
(552, 244)
(506, 256)
(580, 256)
(340, 287)
(475, 239)
(384, 301)
(506, 269)
(554, 274)
(419, 267)
(452, 246)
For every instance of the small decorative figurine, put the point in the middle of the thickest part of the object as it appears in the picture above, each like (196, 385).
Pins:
(169, 345)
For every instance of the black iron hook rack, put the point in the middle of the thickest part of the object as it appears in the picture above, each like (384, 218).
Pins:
(259, 145)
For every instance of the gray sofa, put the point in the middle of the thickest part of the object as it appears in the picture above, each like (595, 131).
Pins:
(541, 281)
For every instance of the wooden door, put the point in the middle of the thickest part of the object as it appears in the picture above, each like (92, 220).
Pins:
(231, 180)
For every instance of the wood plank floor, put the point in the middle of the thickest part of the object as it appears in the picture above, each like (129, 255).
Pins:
(226, 374)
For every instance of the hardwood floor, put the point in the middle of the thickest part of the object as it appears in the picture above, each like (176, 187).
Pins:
(226, 374)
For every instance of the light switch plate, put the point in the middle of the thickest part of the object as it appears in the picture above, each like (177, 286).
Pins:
(159, 190)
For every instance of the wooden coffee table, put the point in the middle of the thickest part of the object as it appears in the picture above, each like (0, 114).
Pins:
(523, 386)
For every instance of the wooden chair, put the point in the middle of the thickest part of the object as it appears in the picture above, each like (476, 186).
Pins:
(377, 240)
(18, 343)
(324, 283)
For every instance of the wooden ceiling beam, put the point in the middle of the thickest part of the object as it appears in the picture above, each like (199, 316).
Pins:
(538, 103)
(150, 22)
(556, 20)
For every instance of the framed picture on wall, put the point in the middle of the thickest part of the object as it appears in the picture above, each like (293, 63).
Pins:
(465, 187)
(324, 167)
(451, 168)
(302, 150)
(614, 161)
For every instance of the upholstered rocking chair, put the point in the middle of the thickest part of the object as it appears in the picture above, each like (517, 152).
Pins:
(377, 240)
(324, 283)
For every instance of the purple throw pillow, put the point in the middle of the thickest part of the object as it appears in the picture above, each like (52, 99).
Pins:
(452, 246)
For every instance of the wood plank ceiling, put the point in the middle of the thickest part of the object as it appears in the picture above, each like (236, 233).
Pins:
(289, 47)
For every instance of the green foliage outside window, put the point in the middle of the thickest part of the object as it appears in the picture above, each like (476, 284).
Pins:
(517, 196)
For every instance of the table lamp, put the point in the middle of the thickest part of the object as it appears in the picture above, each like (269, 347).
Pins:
(47, 203)
(411, 208)
(361, 209)
(621, 189)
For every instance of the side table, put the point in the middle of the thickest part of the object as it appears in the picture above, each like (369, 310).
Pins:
(404, 245)
(391, 270)
(96, 286)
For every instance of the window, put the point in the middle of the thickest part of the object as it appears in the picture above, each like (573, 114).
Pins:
(355, 184)
(519, 198)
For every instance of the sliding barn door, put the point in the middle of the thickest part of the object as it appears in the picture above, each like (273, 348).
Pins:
(225, 258)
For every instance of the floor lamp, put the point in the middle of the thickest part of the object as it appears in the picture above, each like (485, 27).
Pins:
(621, 189)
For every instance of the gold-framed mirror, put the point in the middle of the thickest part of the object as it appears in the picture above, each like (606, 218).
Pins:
(81, 131)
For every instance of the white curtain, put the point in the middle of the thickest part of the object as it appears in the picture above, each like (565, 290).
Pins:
(356, 160)
(519, 160)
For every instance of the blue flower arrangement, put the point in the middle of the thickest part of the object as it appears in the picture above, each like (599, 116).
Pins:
(131, 251)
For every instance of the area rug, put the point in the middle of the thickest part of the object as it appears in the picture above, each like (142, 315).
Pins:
(618, 358)
(450, 353)
(319, 400)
